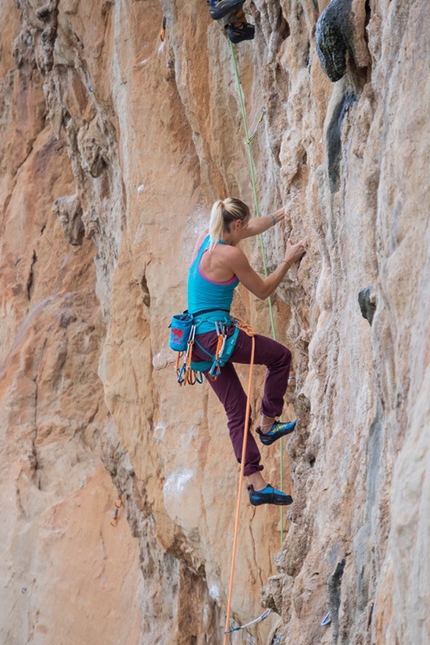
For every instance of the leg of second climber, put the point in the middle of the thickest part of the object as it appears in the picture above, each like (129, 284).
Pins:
(237, 27)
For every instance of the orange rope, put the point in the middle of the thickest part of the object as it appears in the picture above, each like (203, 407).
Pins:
(242, 467)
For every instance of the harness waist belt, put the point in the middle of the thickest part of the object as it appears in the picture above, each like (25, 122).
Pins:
(209, 311)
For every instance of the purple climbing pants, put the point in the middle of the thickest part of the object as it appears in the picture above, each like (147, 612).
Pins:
(230, 392)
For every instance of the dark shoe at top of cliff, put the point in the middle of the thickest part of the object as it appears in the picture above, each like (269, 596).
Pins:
(220, 8)
(244, 31)
(236, 27)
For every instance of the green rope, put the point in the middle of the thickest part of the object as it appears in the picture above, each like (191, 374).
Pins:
(248, 141)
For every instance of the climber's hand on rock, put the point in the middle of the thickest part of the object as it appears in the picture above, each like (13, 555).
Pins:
(294, 251)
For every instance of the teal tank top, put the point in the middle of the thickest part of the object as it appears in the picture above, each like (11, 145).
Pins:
(205, 294)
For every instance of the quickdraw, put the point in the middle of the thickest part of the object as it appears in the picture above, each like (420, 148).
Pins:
(215, 370)
(185, 374)
(254, 131)
(118, 504)
(251, 622)
(163, 29)
(326, 620)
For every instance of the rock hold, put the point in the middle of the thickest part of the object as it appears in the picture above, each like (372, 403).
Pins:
(49, 15)
(23, 49)
(334, 581)
(43, 13)
(367, 302)
(334, 140)
(340, 31)
(330, 42)
(93, 149)
(69, 211)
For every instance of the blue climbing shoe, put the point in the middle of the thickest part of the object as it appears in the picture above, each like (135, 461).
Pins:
(278, 430)
(268, 495)
(220, 8)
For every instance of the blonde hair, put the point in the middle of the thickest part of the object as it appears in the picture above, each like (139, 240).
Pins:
(223, 213)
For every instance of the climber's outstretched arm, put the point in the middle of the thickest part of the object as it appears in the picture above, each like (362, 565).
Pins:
(257, 225)
(237, 262)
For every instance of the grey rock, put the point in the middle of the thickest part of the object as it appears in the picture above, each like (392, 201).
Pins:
(367, 302)
(333, 38)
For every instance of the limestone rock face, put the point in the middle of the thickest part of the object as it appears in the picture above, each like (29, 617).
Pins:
(113, 146)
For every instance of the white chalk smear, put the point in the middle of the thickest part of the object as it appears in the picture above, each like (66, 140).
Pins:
(159, 431)
(176, 482)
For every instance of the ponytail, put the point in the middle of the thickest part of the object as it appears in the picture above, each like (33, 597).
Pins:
(223, 213)
(216, 223)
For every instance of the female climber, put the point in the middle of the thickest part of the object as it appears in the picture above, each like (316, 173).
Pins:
(217, 267)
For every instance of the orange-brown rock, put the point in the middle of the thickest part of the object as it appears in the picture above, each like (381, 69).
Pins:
(113, 146)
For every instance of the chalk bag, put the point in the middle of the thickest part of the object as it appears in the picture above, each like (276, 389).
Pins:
(180, 329)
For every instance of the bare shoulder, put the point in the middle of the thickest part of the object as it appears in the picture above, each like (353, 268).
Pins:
(234, 256)
(199, 242)
(201, 237)
(204, 234)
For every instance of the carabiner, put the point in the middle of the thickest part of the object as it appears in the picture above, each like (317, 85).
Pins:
(215, 370)
(181, 377)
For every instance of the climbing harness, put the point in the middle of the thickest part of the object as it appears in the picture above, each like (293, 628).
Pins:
(252, 622)
(183, 329)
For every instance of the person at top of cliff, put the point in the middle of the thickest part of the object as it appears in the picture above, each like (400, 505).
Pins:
(233, 18)
(217, 267)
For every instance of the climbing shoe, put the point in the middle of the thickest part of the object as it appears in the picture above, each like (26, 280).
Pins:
(245, 31)
(268, 495)
(220, 8)
(277, 431)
